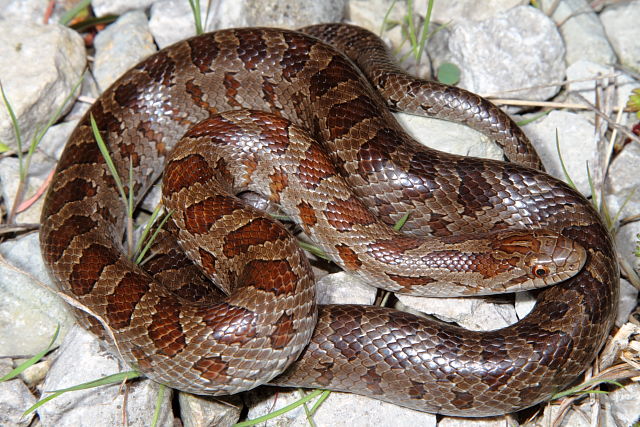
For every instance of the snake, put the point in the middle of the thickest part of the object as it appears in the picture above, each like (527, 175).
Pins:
(304, 119)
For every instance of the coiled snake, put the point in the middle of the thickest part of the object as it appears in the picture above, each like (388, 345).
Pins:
(254, 101)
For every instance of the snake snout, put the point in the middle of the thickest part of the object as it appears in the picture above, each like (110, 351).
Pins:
(558, 258)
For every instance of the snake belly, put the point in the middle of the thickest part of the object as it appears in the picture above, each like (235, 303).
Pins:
(379, 352)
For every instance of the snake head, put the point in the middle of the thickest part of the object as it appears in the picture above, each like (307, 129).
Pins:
(546, 257)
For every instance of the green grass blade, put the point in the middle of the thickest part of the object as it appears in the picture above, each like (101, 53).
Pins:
(33, 360)
(89, 23)
(107, 159)
(73, 12)
(320, 401)
(385, 20)
(533, 119)
(153, 237)
(156, 411)
(131, 186)
(400, 223)
(147, 228)
(564, 169)
(14, 121)
(280, 411)
(580, 388)
(425, 31)
(109, 379)
(314, 250)
(197, 15)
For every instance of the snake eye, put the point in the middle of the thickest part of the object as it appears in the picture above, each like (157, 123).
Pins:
(540, 270)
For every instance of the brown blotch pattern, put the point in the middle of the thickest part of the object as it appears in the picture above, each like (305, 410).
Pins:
(165, 330)
(184, 172)
(197, 95)
(213, 369)
(392, 251)
(278, 182)
(296, 56)
(372, 379)
(208, 261)
(342, 117)
(144, 362)
(408, 282)
(315, 167)
(349, 257)
(230, 324)
(122, 302)
(283, 332)
(161, 68)
(93, 261)
(85, 153)
(519, 243)
(483, 263)
(307, 214)
(73, 226)
(257, 232)
(231, 85)
(74, 190)
(336, 72)
(275, 277)
(344, 214)
(462, 400)
(252, 49)
(199, 217)
(204, 50)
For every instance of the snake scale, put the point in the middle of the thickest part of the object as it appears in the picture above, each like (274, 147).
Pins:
(293, 118)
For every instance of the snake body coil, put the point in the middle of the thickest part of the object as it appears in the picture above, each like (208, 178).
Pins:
(291, 89)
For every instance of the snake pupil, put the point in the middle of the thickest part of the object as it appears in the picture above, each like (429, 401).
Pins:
(540, 271)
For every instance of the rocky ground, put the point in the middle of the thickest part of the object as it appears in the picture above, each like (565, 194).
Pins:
(576, 62)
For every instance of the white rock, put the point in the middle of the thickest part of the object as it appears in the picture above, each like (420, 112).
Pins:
(34, 374)
(340, 409)
(53, 57)
(626, 242)
(209, 411)
(15, 398)
(450, 137)
(81, 359)
(454, 11)
(56, 138)
(472, 422)
(29, 313)
(370, 14)
(293, 13)
(477, 314)
(621, 24)
(525, 301)
(32, 10)
(39, 169)
(582, 31)
(577, 145)
(118, 7)
(344, 288)
(172, 20)
(121, 46)
(578, 417)
(625, 405)
(628, 302)
(623, 199)
(584, 69)
(516, 49)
